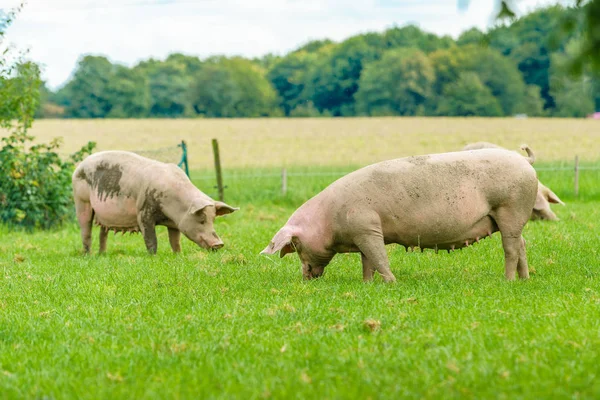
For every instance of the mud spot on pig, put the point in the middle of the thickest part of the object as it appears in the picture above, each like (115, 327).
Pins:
(151, 209)
(81, 175)
(106, 180)
(418, 160)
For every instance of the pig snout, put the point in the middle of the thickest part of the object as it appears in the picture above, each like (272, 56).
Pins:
(211, 242)
(217, 245)
(311, 271)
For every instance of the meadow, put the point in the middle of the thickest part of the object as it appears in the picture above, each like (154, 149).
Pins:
(324, 142)
(234, 324)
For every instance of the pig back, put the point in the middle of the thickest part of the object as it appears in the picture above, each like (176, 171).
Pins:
(442, 192)
(121, 173)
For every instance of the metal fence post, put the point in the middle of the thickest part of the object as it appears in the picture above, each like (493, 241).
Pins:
(184, 158)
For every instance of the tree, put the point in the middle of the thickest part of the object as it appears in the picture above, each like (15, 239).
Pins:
(214, 92)
(447, 65)
(587, 53)
(288, 77)
(100, 89)
(49, 104)
(314, 46)
(19, 93)
(87, 92)
(169, 82)
(128, 94)
(190, 64)
(307, 110)
(532, 103)
(494, 70)
(333, 78)
(574, 96)
(267, 61)
(583, 19)
(468, 96)
(233, 88)
(500, 74)
(398, 84)
(471, 36)
(529, 41)
(411, 36)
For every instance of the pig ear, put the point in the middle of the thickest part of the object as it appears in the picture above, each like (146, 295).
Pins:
(551, 197)
(540, 201)
(198, 206)
(223, 208)
(282, 242)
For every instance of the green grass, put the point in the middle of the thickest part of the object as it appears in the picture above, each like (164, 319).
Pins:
(233, 324)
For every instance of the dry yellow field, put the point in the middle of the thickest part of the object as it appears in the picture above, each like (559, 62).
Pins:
(327, 142)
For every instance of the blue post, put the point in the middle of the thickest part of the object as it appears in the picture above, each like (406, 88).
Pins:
(184, 158)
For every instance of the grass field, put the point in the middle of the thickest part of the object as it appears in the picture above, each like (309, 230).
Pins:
(233, 324)
(328, 142)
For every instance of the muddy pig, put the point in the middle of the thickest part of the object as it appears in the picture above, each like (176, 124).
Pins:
(437, 201)
(125, 192)
(545, 196)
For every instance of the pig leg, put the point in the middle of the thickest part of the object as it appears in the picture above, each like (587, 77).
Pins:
(373, 252)
(85, 217)
(148, 229)
(512, 247)
(103, 237)
(174, 235)
(522, 267)
(511, 226)
(368, 268)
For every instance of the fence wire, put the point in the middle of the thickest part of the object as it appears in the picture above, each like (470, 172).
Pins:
(171, 154)
(342, 173)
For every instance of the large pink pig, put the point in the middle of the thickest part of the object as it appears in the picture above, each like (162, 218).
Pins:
(438, 201)
(125, 192)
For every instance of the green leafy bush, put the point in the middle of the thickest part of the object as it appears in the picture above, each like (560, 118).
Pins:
(35, 189)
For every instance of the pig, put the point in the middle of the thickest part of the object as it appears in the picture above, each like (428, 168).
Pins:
(125, 192)
(545, 196)
(437, 201)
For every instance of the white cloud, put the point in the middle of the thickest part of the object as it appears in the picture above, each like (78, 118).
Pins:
(58, 32)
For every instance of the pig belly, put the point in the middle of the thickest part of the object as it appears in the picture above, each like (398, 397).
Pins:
(456, 234)
(115, 212)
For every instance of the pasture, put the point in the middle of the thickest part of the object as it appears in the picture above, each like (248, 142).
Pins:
(327, 142)
(234, 324)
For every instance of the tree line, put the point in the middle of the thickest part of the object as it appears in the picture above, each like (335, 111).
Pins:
(517, 68)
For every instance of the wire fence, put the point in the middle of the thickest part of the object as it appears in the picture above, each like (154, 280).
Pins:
(236, 176)
(179, 152)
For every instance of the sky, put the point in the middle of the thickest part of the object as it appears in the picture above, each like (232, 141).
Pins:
(58, 32)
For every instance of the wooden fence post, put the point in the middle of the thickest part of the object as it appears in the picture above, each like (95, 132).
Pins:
(284, 181)
(215, 146)
(576, 176)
